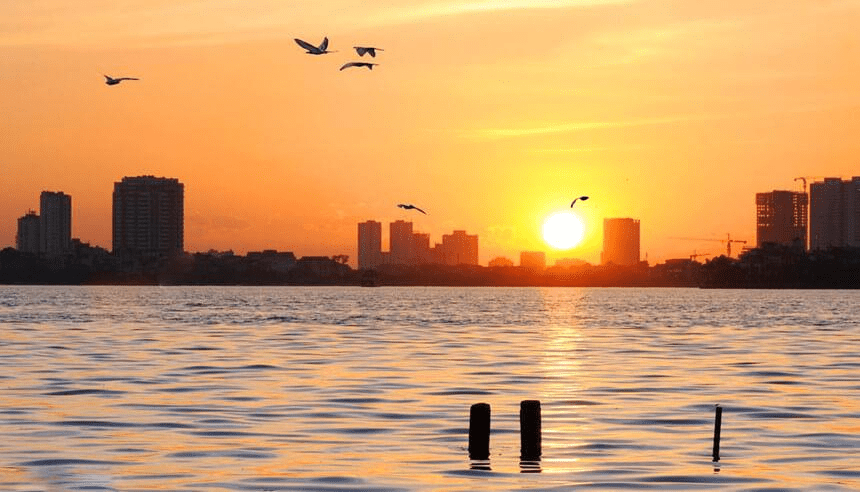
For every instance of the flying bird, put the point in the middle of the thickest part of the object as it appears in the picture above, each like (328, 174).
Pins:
(114, 81)
(314, 50)
(583, 198)
(361, 50)
(407, 206)
(359, 64)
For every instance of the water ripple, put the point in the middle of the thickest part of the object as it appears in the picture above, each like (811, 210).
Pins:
(347, 389)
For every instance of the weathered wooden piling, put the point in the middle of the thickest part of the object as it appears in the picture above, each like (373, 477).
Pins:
(718, 422)
(530, 432)
(479, 432)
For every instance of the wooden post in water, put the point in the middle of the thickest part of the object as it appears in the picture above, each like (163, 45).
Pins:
(718, 422)
(479, 432)
(530, 446)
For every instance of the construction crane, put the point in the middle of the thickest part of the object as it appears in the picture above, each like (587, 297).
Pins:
(804, 178)
(728, 241)
(696, 255)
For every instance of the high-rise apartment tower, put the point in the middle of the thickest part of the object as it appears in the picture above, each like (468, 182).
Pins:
(55, 217)
(834, 213)
(620, 242)
(401, 243)
(459, 248)
(29, 229)
(369, 244)
(781, 218)
(148, 217)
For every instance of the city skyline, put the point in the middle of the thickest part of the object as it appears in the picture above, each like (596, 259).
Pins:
(409, 247)
(782, 217)
(513, 251)
(675, 114)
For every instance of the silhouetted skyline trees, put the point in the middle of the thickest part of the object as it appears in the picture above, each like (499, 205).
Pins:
(772, 266)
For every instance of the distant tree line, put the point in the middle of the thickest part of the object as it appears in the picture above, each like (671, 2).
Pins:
(212, 268)
(779, 267)
(772, 266)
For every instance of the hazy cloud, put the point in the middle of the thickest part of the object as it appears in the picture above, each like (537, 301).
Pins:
(491, 133)
(216, 222)
(413, 13)
(584, 125)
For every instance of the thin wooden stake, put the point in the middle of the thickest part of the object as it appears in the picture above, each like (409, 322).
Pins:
(718, 422)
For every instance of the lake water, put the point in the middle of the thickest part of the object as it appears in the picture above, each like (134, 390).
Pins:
(348, 389)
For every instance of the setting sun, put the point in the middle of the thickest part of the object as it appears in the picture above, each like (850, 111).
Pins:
(563, 230)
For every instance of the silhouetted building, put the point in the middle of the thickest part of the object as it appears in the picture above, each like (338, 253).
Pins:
(277, 261)
(369, 244)
(781, 217)
(500, 261)
(27, 239)
(401, 241)
(834, 213)
(148, 217)
(533, 260)
(620, 242)
(459, 248)
(678, 271)
(413, 248)
(322, 266)
(94, 257)
(570, 262)
(55, 216)
(421, 248)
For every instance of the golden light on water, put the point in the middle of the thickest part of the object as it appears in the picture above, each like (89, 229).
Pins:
(563, 230)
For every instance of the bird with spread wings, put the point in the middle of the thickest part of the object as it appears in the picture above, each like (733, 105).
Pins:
(114, 81)
(409, 206)
(361, 50)
(359, 64)
(314, 50)
(583, 198)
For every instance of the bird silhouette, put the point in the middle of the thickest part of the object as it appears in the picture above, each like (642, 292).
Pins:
(361, 50)
(583, 198)
(407, 206)
(359, 64)
(314, 50)
(114, 81)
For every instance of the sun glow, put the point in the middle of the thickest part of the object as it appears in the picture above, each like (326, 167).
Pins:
(563, 230)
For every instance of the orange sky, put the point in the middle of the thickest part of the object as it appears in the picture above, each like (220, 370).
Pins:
(490, 115)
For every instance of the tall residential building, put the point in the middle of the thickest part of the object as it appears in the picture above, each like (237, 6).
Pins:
(620, 242)
(421, 246)
(55, 216)
(834, 213)
(148, 217)
(369, 244)
(29, 228)
(781, 217)
(459, 248)
(401, 243)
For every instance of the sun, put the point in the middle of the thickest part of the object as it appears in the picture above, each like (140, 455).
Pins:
(563, 230)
